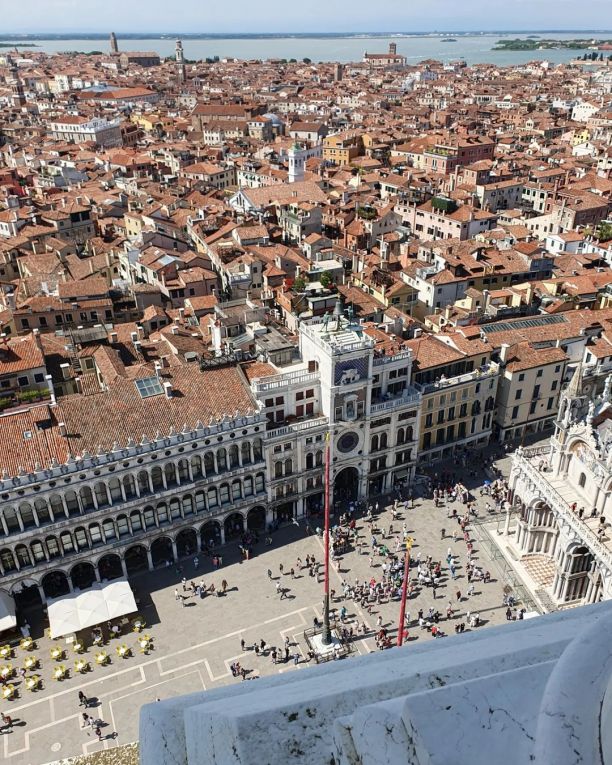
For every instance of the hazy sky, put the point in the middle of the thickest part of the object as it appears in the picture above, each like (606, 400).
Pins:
(301, 15)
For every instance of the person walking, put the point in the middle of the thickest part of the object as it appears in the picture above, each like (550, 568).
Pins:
(280, 568)
(283, 593)
(270, 574)
(7, 721)
(83, 700)
(86, 720)
(98, 732)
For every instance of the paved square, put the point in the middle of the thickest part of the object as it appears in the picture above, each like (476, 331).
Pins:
(195, 645)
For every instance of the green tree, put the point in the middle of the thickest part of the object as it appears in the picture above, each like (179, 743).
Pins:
(307, 60)
(604, 231)
(299, 285)
(325, 279)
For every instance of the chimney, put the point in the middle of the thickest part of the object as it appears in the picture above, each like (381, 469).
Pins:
(63, 431)
(140, 330)
(113, 337)
(503, 352)
(174, 329)
(49, 380)
(168, 389)
(65, 371)
(134, 336)
(181, 313)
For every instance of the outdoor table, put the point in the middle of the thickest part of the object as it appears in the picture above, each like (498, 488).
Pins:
(81, 665)
(59, 672)
(6, 652)
(101, 658)
(26, 643)
(32, 682)
(123, 650)
(30, 662)
(57, 653)
(6, 671)
(8, 691)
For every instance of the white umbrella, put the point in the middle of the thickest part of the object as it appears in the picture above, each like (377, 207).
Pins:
(63, 616)
(7, 611)
(119, 598)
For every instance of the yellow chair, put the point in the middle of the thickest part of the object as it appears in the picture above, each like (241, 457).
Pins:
(78, 646)
(80, 665)
(6, 652)
(6, 671)
(32, 682)
(57, 653)
(101, 658)
(30, 662)
(26, 644)
(123, 651)
(59, 672)
(7, 691)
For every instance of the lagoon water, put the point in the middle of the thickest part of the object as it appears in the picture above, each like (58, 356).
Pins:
(474, 48)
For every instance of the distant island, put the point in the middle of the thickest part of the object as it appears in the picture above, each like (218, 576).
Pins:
(531, 43)
(18, 45)
(448, 39)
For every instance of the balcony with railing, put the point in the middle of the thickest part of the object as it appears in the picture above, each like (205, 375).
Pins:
(291, 428)
(276, 383)
(392, 358)
(482, 373)
(408, 397)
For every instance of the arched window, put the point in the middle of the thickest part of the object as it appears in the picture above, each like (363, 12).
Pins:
(257, 449)
(129, 486)
(23, 556)
(53, 548)
(400, 436)
(143, 482)
(148, 516)
(409, 434)
(209, 463)
(27, 515)
(95, 533)
(259, 483)
(175, 509)
(67, 543)
(170, 471)
(101, 494)
(319, 459)
(221, 459)
(80, 536)
(42, 510)
(246, 453)
(135, 521)
(7, 561)
(57, 506)
(383, 440)
(109, 529)
(162, 513)
(309, 461)
(123, 527)
(10, 518)
(187, 505)
(212, 497)
(114, 488)
(236, 490)
(582, 480)
(183, 471)
(87, 502)
(288, 467)
(224, 493)
(248, 486)
(38, 551)
(374, 444)
(196, 466)
(200, 501)
(278, 469)
(156, 479)
(72, 503)
(233, 457)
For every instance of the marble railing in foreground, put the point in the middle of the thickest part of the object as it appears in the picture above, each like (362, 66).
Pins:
(533, 691)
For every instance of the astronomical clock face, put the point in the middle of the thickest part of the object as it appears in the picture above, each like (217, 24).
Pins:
(347, 442)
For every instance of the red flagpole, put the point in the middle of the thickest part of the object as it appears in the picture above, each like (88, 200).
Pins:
(400, 629)
(326, 634)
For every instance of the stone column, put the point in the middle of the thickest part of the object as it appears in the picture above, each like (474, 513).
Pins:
(149, 560)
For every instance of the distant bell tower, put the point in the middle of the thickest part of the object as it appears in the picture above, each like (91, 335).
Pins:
(297, 162)
(393, 49)
(113, 44)
(180, 61)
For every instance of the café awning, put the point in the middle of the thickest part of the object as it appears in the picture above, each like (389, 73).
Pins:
(8, 619)
(98, 604)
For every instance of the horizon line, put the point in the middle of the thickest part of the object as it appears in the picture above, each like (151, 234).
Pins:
(310, 32)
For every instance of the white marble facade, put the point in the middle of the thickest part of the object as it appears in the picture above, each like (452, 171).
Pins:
(535, 691)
